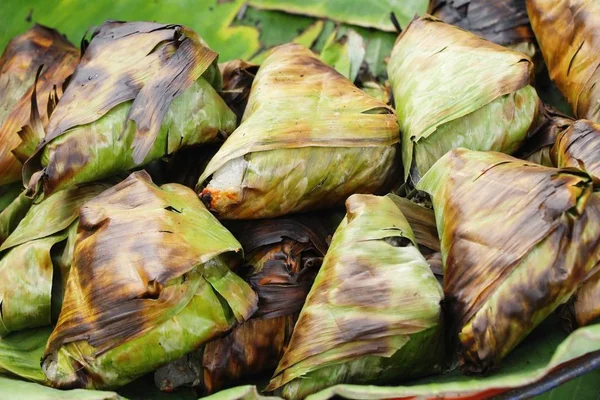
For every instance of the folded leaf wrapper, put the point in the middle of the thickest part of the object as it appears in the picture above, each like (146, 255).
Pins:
(149, 283)
(579, 147)
(309, 138)
(517, 240)
(373, 314)
(567, 35)
(453, 89)
(35, 259)
(141, 91)
(504, 22)
(21, 61)
(283, 257)
(14, 205)
(20, 353)
(238, 76)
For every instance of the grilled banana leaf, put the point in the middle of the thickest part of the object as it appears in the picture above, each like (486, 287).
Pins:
(373, 315)
(567, 35)
(504, 22)
(309, 138)
(141, 91)
(453, 89)
(149, 283)
(41, 60)
(579, 147)
(283, 257)
(32, 259)
(517, 240)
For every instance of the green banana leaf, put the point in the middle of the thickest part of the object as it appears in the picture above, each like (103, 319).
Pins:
(212, 19)
(8, 193)
(454, 89)
(368, 14)
(139, 93)
(27, 267)
(149, 283)
(502, 279)
(280, 158)
(247, 392)
(9, 388)
(13, 212)
(21, 352)
(543, 352)
(373, 314)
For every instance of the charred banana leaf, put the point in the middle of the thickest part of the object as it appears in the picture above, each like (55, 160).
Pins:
(579, 147)
(19, 66)
(517, 240)
(504, 22)
(35, 259)
(567, 35)
(141, 91)
(309, 138)
(283, 257)
(373, 315)
(238, 76)
(149, 283)
(453, 89)
(538, 147)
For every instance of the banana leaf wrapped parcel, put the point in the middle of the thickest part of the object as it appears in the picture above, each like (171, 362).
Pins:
(40, 59)
(453, 89)
(309, 138)
(283, 257)
(141, 91)
(504, 22)
(35, 259)
(566, 32)
(517, 240)
(150, 282)
(373, 314)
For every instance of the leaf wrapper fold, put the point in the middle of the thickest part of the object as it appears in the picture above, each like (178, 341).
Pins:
(373, 314)
(579, 147)
(22, 59)
(149, 283)
(303, 119)
(283, 257)
(27, 259)
(502, 280)
(567, 35)
(504, 22)
(141, 91)
(454, 89)
(238, 76)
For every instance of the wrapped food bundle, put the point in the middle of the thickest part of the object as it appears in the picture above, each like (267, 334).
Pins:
(373, 314)
(567, 35)
(453, 89)
(40, 59)
(141, 91)
(309, 138)
(502, 279)
(35, 259)
(283, 257)
(504, 22)
(149, 283)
